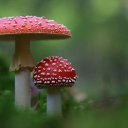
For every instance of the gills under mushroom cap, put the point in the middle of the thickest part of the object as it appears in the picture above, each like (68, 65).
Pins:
(36, 27)
(54, 72)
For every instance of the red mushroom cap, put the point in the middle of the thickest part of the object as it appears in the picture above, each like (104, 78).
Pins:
(36, 27)
(54, 71)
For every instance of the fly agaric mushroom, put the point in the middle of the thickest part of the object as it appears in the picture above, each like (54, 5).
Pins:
(22, 30)
(54, 73)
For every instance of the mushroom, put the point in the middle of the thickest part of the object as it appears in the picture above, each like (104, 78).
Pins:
(22, 30)
(54, 73)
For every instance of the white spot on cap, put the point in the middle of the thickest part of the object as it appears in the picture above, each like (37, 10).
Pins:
(54, 70)
(35, 76)
(39, 81)
(65, 59)
(60, 64)
(48, 68)
(73, 80)
(46, 64)
(65, 65)
(72, 69)
(70, 81)
(67, 81)
(53, 64)
(42, 73)
(45, 82)
(39, 23)
(38, 76)
(59, 80)
(55, 60)
(48, 82)
(50, 60)
(53, 81)
(50, 20)
(47, 74)
(45, 79)
(63, 80)
(54, 74)
(60, 77)
(59, 70)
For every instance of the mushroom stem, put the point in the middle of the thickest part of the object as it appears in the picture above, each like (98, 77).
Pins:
(22, 57)
(22, 89)
(54, 103)
(22, 64)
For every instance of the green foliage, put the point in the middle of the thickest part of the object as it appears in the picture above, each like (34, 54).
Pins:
(89, 114)
(6, 80)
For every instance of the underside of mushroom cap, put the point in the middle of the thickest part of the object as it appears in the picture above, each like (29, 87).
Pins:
(36, 28)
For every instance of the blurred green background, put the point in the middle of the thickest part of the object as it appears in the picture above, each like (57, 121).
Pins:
(98, 50)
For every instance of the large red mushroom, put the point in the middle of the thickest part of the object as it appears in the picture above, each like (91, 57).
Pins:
(22, 29)
(54, 73)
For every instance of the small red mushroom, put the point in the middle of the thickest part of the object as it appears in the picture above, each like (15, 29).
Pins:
(53, 73)
(22, 29)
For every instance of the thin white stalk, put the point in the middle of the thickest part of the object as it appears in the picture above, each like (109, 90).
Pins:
(22, 65)
(22, 89)
(54, 105)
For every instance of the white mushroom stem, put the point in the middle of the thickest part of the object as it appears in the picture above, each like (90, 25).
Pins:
(54, 105)
(22, 89)
(22, 64)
